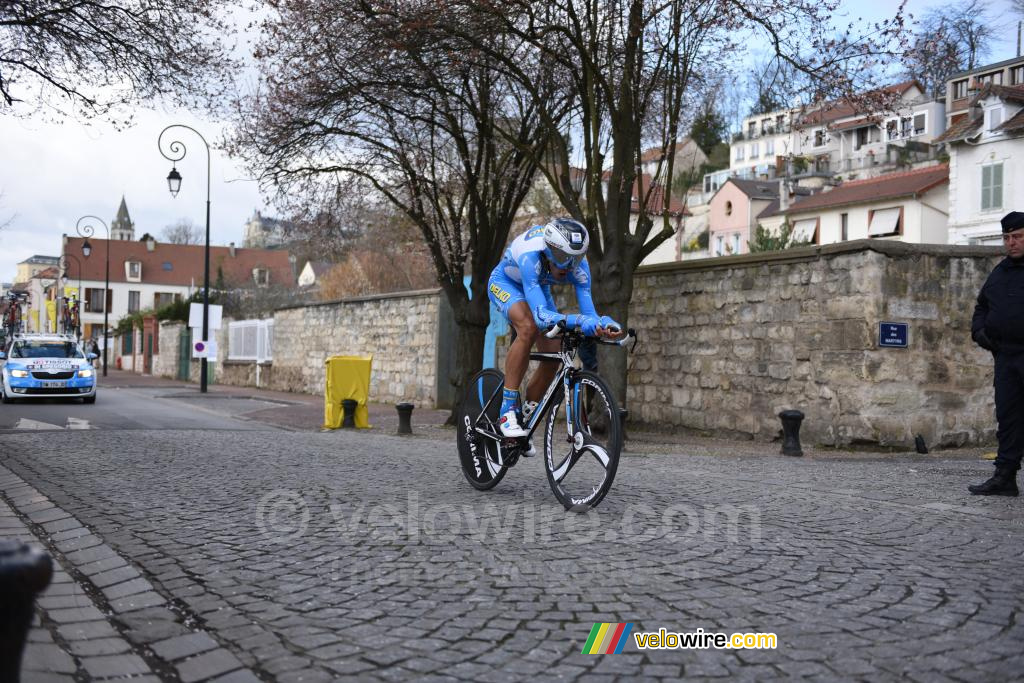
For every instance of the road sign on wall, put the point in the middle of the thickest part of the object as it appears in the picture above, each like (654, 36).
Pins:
(893, 335)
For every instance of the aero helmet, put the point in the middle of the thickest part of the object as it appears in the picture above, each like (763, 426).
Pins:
(566, 242)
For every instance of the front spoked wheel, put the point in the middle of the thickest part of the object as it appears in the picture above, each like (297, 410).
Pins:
(480, 454)
(582, 442)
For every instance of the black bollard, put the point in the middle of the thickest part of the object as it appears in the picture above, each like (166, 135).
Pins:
(24, 573)
(623, 414)
(404, 417)
(919, 445)
(349, 405)
(791, 420)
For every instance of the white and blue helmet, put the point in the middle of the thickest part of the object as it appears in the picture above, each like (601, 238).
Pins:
(566, 242)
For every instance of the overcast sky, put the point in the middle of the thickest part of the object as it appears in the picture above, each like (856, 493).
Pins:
(52, 174)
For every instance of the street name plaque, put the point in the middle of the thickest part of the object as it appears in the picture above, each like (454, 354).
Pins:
(893, 335)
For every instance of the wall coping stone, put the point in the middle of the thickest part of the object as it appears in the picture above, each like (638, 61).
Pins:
(817, 252)
(371, 297)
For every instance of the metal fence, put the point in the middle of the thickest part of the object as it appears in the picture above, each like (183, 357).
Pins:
(251, 340)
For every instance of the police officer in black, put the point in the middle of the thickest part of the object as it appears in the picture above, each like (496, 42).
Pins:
(998, 326)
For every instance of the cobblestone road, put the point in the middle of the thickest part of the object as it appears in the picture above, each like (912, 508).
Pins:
(260, 555)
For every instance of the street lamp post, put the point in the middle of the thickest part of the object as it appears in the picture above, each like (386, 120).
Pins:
(176, 152)
(88, 231)
(62, 263)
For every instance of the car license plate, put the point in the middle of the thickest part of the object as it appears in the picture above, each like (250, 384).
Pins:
(54, 385)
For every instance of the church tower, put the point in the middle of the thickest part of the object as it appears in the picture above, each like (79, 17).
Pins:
(122, 227)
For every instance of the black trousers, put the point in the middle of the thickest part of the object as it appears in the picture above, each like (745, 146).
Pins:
(1009, 385)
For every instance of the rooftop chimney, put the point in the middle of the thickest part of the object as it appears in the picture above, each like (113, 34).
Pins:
(231, 249)
(150, 243)
(783, 194)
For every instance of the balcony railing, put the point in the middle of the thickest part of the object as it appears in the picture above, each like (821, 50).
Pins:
(765, 132)
(889, 157)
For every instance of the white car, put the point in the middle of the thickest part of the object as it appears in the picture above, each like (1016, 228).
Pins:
(47, 366)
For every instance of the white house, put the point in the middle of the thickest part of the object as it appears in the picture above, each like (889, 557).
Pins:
(764, 138)
(986, 175)
(911, 206)
(840, 138)
(837, 139)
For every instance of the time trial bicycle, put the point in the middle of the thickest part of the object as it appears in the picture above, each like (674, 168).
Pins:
(12, 317)
(582, 435)
(70, 316)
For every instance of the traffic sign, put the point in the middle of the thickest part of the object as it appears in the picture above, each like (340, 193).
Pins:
(195, 316)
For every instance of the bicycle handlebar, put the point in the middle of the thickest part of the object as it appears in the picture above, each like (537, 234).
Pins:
(555, 330)
(561, 328)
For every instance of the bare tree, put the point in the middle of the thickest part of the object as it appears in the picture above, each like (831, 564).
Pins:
(381, 92)
(776, 84)
(627, 68)
(183, 232)
(86, 58)
(948, 40)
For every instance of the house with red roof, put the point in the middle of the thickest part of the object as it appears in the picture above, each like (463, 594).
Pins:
(147, 274)
(909, 206)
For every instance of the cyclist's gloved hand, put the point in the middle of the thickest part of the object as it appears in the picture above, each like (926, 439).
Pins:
(608, 323)
(588, 325)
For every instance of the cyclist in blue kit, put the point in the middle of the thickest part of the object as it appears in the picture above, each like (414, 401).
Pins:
(520, 286)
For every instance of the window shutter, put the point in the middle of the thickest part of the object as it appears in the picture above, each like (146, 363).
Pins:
(997, 186)
(986, 187)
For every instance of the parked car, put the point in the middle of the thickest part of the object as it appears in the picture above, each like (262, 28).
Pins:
(47, 366)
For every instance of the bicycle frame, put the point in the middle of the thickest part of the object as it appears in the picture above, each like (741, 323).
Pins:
(565, 358)
(564, 376)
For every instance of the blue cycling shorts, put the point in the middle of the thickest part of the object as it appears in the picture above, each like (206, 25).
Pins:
(503, 291)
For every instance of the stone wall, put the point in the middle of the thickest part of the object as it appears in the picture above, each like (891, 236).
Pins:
(244, 373)
(399, 330)
(729, 342)
(726, 343)
(165, 363)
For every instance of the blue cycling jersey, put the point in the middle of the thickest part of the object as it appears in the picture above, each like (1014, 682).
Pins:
(522, 268)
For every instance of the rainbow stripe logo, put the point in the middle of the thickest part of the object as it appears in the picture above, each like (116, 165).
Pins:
(607, 639)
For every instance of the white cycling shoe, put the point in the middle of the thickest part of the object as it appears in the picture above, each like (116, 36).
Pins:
(528, 408)
(509, 425)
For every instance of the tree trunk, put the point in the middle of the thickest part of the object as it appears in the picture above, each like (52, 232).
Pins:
(611, 297)
(471, 319)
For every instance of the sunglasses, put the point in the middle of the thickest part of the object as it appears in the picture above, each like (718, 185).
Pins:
(561, 259)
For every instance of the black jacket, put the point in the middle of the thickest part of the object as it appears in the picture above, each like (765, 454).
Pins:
(998, 322)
